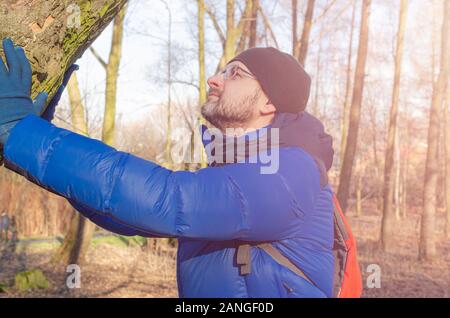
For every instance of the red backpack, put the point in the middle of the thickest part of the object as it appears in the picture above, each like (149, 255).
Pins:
(347, 275)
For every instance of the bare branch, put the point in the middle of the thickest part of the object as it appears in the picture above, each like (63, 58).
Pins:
(176, 81)
(268, 26)
(326, 31)
(215, 23)
(98, 57)
(246, 17)
(325, 10)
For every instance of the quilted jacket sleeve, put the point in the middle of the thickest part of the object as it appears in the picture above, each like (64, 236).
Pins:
(132, 196)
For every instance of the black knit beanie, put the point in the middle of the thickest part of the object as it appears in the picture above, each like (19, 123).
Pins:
(281, 77)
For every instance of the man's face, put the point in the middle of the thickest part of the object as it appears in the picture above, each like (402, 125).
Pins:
(232, 97)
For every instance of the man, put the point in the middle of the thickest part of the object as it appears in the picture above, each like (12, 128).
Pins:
(241, 232)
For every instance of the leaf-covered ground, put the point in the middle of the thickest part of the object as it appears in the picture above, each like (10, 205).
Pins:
(120, 270)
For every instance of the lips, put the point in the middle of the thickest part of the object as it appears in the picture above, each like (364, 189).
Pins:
(213, 94)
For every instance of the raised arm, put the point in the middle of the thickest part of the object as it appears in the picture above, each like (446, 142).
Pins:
(117, 188)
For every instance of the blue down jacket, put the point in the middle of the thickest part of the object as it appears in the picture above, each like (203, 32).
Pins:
(209, 211)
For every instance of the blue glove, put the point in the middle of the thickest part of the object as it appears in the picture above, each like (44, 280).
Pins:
(49, 112)
(15, 87)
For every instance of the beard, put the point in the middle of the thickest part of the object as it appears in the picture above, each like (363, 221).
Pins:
(224, 114)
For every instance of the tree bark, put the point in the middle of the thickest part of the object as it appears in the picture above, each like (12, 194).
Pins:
(355, 110)
(230, 39)
(405, 161)
(253, 24)
(112, 73)
(294, 8)
(348, 84)
(202, 73)
(427, 244)
(388, 222)
(201, 51)
(77, 109)
(447, 159)
(51, 35)
(397, 179)
(315, 104)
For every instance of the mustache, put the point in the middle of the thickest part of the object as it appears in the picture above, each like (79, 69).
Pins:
(213, 91)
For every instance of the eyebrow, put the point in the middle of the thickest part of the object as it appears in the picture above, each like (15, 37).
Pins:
(245, 71)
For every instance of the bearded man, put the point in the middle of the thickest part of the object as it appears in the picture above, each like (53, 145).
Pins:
(242, 231)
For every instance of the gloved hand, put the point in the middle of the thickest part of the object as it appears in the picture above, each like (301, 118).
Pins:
(15, 87)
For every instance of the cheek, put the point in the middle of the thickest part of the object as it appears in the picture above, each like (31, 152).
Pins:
(231, 93)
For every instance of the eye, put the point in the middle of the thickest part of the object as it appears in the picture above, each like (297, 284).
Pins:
(235, 72)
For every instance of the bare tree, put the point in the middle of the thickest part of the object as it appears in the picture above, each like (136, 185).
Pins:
(294, 13)
(201, 51)
(348, 84)
(253, 25)
(301, 47)
(355, 110)
(427, 244)
(112, 73)
(447, 158)
(234, 31)
(388, 222)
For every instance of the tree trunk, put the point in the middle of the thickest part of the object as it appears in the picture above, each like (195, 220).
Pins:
(201, 51)
(355, 110)
(397, 179)
(77, 112)
(202, 74)
(348, 84)
(315, 105)
(234, 31)
(427, 244)
(404, 179)
(294, 8)
(253, 24)
(388, 222)
(54, 33)
(447, 159)
(358, 196)
(112, 73)
(230, 40)
(359, 174)
(302, 46)
(79, 235)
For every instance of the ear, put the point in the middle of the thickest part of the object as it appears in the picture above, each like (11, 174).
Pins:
(267, 108)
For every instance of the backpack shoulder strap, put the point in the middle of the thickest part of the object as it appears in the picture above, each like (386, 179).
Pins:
(283, 260)
(244, 259)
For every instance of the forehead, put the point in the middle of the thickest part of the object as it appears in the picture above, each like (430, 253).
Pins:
(240, 64)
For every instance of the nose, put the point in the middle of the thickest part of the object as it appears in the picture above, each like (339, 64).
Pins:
(216, 82)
